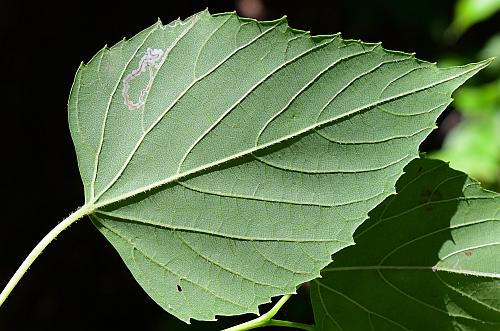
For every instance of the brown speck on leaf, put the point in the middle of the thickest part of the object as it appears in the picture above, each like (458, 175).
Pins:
(468, 253)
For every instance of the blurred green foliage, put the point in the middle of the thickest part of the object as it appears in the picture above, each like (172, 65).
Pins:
(473, 146)
(470, 12)
(492, 49)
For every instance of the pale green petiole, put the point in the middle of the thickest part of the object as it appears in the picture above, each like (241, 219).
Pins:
(266, 320)
(39, 249)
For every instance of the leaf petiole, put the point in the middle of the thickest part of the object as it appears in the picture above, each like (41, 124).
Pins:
(49, 237)
(266, 320)
(289, 324)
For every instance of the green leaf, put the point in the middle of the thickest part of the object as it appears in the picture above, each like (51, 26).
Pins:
(427, 259)
(226, 159)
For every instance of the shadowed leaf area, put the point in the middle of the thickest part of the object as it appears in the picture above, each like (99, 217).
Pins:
(427, 259)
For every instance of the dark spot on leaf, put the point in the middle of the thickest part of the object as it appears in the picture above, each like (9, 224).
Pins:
(429, 195)
(179, 288)
(468, 253)
(425, 197)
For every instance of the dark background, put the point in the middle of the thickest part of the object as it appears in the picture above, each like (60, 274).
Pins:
(80, 283)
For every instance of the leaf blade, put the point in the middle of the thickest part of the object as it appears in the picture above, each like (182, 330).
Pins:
(433, 269)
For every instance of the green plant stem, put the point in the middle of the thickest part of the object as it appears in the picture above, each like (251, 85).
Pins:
(289, 324)
(266, 320)
(39, 249)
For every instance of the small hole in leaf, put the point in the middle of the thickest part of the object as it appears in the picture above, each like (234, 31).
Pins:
(179, 288)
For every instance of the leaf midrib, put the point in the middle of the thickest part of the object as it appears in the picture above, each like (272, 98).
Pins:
(172, 179)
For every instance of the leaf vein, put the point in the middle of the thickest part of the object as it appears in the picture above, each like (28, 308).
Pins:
(108, 106)
(243, 97)
(423, 303)
(134, 150)
(341, 171)
(128, 218)
(374, 142)
(166, 269)
(346, 86)
(361, 306)
(482, 303)
(278, 265)
(220, 266)
(305, 88)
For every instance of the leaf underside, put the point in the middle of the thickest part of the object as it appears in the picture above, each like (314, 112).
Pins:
(226, 159)
(427, 259)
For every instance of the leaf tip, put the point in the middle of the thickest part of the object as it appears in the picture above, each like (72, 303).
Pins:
(489, 60)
